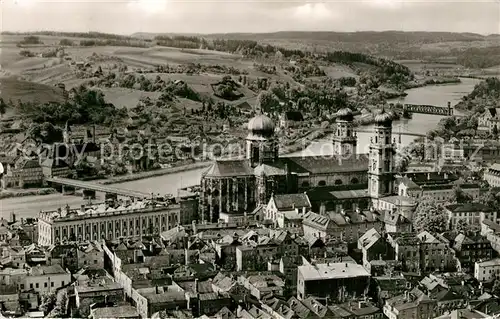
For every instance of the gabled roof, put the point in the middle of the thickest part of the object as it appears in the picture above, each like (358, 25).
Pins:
(369, 238)
(291, 201)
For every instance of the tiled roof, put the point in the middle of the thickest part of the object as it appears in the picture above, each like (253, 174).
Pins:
(47, 270)
(327, 193)
(116, 312)
(30, 164)
(58, 163)
(468, 207)
(291, 201)
(316, 220)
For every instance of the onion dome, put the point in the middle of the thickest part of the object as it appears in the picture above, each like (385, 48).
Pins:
(384, 119)
(345, 114)
(261, 125)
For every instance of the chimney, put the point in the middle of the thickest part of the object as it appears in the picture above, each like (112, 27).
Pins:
(93, 133)
(196, 286)
(82, 208)
(67, 209)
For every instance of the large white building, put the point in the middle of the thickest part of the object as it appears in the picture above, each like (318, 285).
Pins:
(106, 222)
(487, 271)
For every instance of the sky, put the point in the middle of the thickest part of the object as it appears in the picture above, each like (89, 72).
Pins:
(227, 16)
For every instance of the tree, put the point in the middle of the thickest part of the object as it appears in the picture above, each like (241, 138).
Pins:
(47, 303)
(267, 101)
(460, 196)
(496, 287)
(3, 107)
(430, 216)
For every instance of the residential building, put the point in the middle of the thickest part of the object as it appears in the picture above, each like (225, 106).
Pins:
(24, 173)
(335, 281)
(470, 213)
(346, 225)
(262, 285)
(373, 245)
(396, 223)
(411, 304)
(470, 248)
(43, 279)
(487, 271)
(286, 210)
(90, 255)
(406, 249)
(97, 290)
(490, 118)
(436, 253)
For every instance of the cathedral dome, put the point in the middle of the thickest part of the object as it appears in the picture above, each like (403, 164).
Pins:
(261, 125)
(345, 114)
(384, 119)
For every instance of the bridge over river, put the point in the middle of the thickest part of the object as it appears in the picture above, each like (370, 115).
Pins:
(89, 188)
(427, 109)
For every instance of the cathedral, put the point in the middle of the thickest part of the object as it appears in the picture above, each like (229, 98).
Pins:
(233, 190)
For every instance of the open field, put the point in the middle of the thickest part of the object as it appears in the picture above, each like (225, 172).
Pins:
(16, 89)
(128, 98)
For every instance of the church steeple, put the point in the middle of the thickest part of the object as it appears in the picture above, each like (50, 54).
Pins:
(261, 141)
(345, 140)
(381, 158)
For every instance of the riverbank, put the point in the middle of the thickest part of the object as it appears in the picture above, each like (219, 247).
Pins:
(26, 192)
(155, 173)
(12, 193)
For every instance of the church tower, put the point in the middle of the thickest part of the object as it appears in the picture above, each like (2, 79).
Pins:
(381, 170)
(262, 145)
(345, 140)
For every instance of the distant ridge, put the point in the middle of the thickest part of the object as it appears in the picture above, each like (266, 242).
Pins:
(370, 36)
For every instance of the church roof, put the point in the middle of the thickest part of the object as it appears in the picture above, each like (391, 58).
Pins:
(302, 164)
(328, 164)
(276, 168)
(230, 168)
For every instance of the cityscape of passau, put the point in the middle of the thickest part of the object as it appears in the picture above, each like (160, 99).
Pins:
(226, 176)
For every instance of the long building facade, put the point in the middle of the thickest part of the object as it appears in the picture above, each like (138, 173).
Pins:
(231, 189)
(105, 222)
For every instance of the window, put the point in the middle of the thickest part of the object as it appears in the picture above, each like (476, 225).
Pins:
(52, 284)
(36, 285)
(62, 283)
(321, 183)
(45, 285)
(338, 182)
(22, 286)
(31, 286)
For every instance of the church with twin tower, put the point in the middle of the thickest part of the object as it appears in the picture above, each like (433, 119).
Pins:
(236, 190)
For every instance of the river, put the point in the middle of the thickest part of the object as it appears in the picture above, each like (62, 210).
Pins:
(420, 123)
